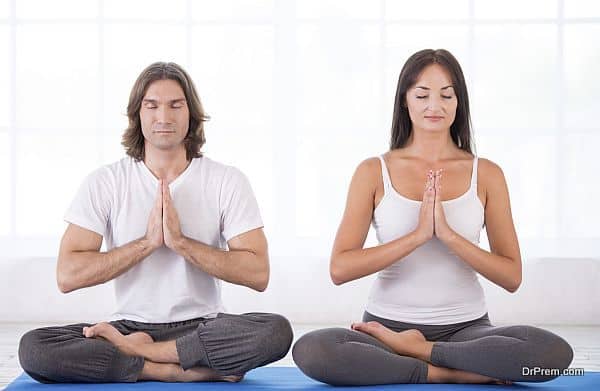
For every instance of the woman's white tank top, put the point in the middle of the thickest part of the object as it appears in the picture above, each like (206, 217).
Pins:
(431, 285)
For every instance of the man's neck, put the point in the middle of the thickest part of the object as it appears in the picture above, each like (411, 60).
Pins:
(166, 165)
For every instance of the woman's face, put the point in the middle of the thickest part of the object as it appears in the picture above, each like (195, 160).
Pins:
(432, 101)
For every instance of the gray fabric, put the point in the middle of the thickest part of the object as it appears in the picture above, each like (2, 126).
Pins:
(230, 344)
(345, 357)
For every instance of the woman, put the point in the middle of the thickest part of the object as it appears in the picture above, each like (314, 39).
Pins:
(428, 198)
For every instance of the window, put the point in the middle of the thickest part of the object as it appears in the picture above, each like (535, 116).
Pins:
(300, 92)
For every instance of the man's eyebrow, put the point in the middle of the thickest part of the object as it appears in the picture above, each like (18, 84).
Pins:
(427, 88)
(150, 100)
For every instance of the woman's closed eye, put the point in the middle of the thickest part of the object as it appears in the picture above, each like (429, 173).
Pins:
(443, 96)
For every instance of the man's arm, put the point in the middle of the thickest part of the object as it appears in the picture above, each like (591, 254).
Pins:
(246, 263)
(81, 264)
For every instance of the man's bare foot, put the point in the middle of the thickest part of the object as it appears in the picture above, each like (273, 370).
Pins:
(139, 338)
(410, 343)
(174, 373)
(125, 344)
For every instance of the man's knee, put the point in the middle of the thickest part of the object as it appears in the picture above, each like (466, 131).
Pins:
(279, 336)
(32, 356)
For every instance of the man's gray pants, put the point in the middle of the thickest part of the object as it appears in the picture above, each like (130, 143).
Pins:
(229, 344)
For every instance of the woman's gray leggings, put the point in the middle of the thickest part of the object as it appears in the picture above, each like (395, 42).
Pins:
(340, 356)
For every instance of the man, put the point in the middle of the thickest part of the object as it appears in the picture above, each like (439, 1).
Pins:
(175, 223)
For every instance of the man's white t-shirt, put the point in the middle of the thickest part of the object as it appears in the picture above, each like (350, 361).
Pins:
(214, 203)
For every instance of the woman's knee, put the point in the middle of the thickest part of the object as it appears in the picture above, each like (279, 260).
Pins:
(314, 351)
(548, 351)
(560, 353)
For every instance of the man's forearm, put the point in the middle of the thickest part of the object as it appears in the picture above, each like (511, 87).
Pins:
(241, 267)
(80, 269)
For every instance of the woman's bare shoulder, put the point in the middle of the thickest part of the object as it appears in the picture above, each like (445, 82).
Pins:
(369, 167)
(490, 173)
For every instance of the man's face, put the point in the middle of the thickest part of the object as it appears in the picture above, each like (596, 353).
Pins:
(164, 115)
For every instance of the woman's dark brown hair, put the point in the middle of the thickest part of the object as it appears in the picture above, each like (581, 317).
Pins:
(460, 130)
(133, 138)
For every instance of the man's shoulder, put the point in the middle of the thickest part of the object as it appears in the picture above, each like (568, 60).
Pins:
(110, 172)
(218, 170)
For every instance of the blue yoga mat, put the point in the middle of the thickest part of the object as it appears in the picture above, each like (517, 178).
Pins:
(290, 378)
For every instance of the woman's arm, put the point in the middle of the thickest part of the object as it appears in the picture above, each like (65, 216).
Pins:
(502, 265)
(349, 260)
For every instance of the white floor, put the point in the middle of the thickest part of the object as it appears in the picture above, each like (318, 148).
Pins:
(584, 339)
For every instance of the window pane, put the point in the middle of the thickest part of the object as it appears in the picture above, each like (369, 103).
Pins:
(57, 76)
(5, 105)
(338, 9)
(517, 80)
(581, 188)
(145, 9)
(5, 189)
(515, 9)
(582, 8)
(433, 9)
(324, 167)
(231, 9)
(50, 168)
(339, 79)
(233, 68)
(4, 9)
(40, 9)
(127, 52)
(581, 59)
(529, 166)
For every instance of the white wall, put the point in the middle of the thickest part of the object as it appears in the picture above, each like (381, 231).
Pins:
(299, 93)
(554, 291)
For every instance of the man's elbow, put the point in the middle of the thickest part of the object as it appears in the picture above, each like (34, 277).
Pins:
(261, 281)
(64, 283)
(64, 279)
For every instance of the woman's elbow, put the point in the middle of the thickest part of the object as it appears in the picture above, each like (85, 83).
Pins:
(336, 273)
(514, 284)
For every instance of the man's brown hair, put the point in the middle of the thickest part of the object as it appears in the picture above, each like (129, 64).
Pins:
(133, 138)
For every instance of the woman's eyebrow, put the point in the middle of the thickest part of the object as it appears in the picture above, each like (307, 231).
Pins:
(427, 88)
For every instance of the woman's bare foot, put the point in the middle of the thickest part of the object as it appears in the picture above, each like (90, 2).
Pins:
(410, 343)
(447, 375)
(125, 344)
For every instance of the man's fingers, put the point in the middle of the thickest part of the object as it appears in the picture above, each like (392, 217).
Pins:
(166, 193)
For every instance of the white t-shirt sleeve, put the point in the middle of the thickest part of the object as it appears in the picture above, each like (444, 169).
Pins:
(90, 209)
(238, 206)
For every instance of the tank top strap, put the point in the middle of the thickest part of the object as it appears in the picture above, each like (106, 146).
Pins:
(385, 174)
(474, 172)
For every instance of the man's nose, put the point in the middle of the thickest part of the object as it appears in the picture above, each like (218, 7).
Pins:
(162, 113)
